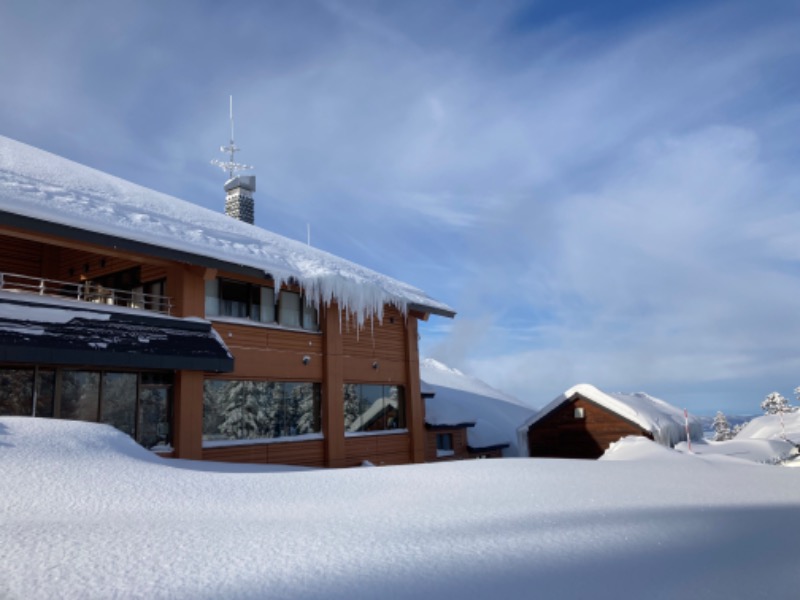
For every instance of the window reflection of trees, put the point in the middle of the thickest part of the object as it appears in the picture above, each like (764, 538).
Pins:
(240, 410)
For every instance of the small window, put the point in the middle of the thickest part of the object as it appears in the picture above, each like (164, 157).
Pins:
(289, 309)
(579, 412)
(212, 297)
(444, 445)
(267, 301)
(310, 322)
(444, 441)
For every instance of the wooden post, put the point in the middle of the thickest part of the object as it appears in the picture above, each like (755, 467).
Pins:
(188, 415)
(333, 380)
(415, 405)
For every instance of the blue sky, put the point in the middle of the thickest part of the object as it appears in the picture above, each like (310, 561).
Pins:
(606, 192)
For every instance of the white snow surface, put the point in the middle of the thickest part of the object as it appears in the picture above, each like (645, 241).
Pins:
(664, 421)
(740, 451)
(37, 184)
(460, 399)
(41, 314)
(86, 513)
(769, 427)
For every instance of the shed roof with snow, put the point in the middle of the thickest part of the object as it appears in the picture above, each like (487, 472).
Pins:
(664, 422)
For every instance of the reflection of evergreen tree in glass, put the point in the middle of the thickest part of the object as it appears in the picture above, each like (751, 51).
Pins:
(16, 392)
(392, 407)
(232, 405)
(352, 405)
(300, 409)
(214, 393)
(271, 410)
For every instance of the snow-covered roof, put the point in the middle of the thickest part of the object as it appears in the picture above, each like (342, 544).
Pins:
(42, 186)
(665, 422)
(460, 399)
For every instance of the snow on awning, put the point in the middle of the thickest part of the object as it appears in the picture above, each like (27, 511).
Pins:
(58, 335)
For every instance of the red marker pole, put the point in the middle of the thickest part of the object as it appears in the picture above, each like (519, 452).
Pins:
(686, 421)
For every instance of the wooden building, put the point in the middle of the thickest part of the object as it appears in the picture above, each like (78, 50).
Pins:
(470, 420)
(200, 336)
(584, 421)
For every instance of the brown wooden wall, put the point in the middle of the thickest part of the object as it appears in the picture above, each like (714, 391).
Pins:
(560, 435)
(309, 453)
(22, 257)
(385, 449)
(40, 259)
(460, 450)
(270, 353)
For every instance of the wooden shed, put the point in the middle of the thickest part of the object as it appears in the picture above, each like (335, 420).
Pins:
(584, 421)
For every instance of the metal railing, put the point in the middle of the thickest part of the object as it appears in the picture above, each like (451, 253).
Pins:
(86, 291)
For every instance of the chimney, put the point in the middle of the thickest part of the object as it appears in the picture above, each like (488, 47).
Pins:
(239, 197)
(239, 188)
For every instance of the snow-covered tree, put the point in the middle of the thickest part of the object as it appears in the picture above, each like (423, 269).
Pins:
(722, 429)
(774, 403)
(737, 428)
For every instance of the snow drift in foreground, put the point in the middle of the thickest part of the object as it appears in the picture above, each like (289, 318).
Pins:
(86, 513)
(740, 451)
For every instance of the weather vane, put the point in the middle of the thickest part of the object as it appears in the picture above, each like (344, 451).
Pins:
(230, 165)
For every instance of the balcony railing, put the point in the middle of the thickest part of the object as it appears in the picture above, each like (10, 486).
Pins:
(86, 291)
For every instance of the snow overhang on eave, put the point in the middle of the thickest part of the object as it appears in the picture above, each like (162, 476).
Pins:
(432, 310)
(441, 426)
(487, 448)
(120, 243)
(22, 222)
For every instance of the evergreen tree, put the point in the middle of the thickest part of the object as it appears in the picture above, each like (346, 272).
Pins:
(722, 429)
(352, 405)
(774, 403)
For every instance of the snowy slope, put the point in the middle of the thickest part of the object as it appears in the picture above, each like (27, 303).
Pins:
(87, 514)
(740, 451)
(460, 398)
(37, 184)
(769, 427)
(664, 421)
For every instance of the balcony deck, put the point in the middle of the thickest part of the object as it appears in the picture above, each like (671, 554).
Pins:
(86, 291)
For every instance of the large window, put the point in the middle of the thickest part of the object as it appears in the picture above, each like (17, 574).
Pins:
(245, 410)
(227, 298)
(16, 392)
(373, 407)
(137, 403)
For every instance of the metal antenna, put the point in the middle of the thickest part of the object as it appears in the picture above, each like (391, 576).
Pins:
(231, 166)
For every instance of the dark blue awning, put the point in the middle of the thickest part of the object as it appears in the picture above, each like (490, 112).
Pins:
(67, 333)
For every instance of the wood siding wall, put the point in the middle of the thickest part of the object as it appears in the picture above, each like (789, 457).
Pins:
(560, 435)
(22, 257)
(38, 259)
(309, 453)
(389, 449)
